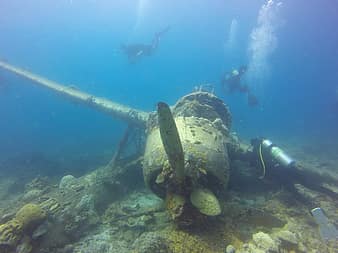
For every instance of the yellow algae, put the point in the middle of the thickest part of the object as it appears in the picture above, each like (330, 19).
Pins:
(10, 232)
(175, 204)
(30, 216)
(205, 201)
(181, 242)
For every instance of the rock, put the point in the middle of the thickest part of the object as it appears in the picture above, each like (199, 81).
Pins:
(264, 242)
(288, 239)
(105, 192)
(31, 195)
(245, 246)
(67, 182)
(138, 222)
(150, 242)
(7, 217)
(80, 217)
(86, 204)
(302, 248)
(67, 249)
(101, 243)
(55, 238)
(40, 230)
(230, 249)
(25, 246)
(38, 183)
(250, 248)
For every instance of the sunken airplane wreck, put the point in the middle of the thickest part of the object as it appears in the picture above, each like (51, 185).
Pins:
(188, 149)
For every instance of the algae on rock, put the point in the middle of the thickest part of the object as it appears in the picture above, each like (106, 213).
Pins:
(30, 216)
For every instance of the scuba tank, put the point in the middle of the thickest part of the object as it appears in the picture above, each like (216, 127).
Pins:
(277, 153)
(269, 153)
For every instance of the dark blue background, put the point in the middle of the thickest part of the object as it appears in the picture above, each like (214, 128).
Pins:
(76, 42)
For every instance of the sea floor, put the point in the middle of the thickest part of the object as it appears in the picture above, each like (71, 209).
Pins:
(103, 211)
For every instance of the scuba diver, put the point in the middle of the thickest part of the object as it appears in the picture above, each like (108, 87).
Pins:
(280, 168)
(233, 82)
(276, 165)
(138, 50)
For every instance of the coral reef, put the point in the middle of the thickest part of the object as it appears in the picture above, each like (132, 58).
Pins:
(30, 216)
(38, 183)
(150, 242)
(101, 242)
(256, 217)
(230, 249)
(15, 235)
(10, 233)
(67, 182)
(265, 243)
(182, 241)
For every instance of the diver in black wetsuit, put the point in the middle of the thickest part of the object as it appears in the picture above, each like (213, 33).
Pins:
(233, 82)
(273, 166)
(136, 51)
(278, 167)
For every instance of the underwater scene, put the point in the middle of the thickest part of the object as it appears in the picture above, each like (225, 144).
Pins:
(153, 126)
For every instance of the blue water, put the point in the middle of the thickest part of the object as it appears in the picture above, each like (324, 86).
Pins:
(77, 42)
